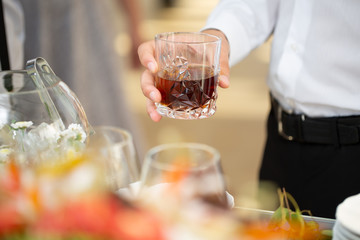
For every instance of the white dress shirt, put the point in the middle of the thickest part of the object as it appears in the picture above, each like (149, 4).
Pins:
(315, 58)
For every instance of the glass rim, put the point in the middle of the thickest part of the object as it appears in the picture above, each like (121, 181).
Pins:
(158, 37)
(24, 72)
(215, 158)
(128, 137)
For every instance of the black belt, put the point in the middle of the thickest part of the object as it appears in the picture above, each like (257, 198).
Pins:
(331, 130)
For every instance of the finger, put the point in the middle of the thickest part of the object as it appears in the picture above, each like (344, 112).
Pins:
(224, 81)
(146, 52)
(151, 110)
(148, 88)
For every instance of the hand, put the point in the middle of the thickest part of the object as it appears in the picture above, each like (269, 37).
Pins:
(146, 52)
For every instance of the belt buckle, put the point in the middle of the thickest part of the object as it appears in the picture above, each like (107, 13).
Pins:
(280, 124)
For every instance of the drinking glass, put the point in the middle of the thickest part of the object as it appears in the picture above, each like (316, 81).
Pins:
(188, 74)
(115, 148)
(185, 170)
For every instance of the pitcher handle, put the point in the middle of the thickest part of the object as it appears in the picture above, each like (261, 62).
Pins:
(34, 67)
(38, 66)
(79, 108)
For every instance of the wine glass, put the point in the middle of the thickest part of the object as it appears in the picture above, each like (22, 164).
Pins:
(115, 148)
(184, 171)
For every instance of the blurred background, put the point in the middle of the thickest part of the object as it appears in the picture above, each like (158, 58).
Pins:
(237, 129)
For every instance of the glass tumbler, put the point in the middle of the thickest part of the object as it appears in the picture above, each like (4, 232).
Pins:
(187, 78)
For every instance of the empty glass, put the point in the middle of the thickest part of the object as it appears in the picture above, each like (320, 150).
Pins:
(115, 148)
(187, 171)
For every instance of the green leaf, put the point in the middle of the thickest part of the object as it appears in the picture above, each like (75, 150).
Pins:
(279, 217)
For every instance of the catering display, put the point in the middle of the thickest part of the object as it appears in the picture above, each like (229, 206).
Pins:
(61, 178)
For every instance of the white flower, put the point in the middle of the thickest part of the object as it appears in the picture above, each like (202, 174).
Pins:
(75, 132)
(21, 124)
(44, 134)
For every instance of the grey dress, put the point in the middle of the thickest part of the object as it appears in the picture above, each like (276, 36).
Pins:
(77, 37)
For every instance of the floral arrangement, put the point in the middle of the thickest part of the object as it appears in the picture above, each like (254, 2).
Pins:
(43, 142)
(52, 188)
(68, 201)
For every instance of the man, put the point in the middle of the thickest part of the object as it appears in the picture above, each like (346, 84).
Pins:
(313, 142)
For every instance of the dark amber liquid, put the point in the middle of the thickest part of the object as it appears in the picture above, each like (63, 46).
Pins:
(194, 92)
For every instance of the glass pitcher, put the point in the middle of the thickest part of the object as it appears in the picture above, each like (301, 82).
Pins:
(38, 113)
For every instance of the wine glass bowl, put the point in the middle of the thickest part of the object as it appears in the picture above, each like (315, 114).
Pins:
(188, 170)
(114, 147)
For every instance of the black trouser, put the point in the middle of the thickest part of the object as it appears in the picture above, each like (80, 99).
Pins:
(318, 176)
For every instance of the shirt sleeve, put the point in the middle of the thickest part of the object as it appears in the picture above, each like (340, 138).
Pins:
(246, 24)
